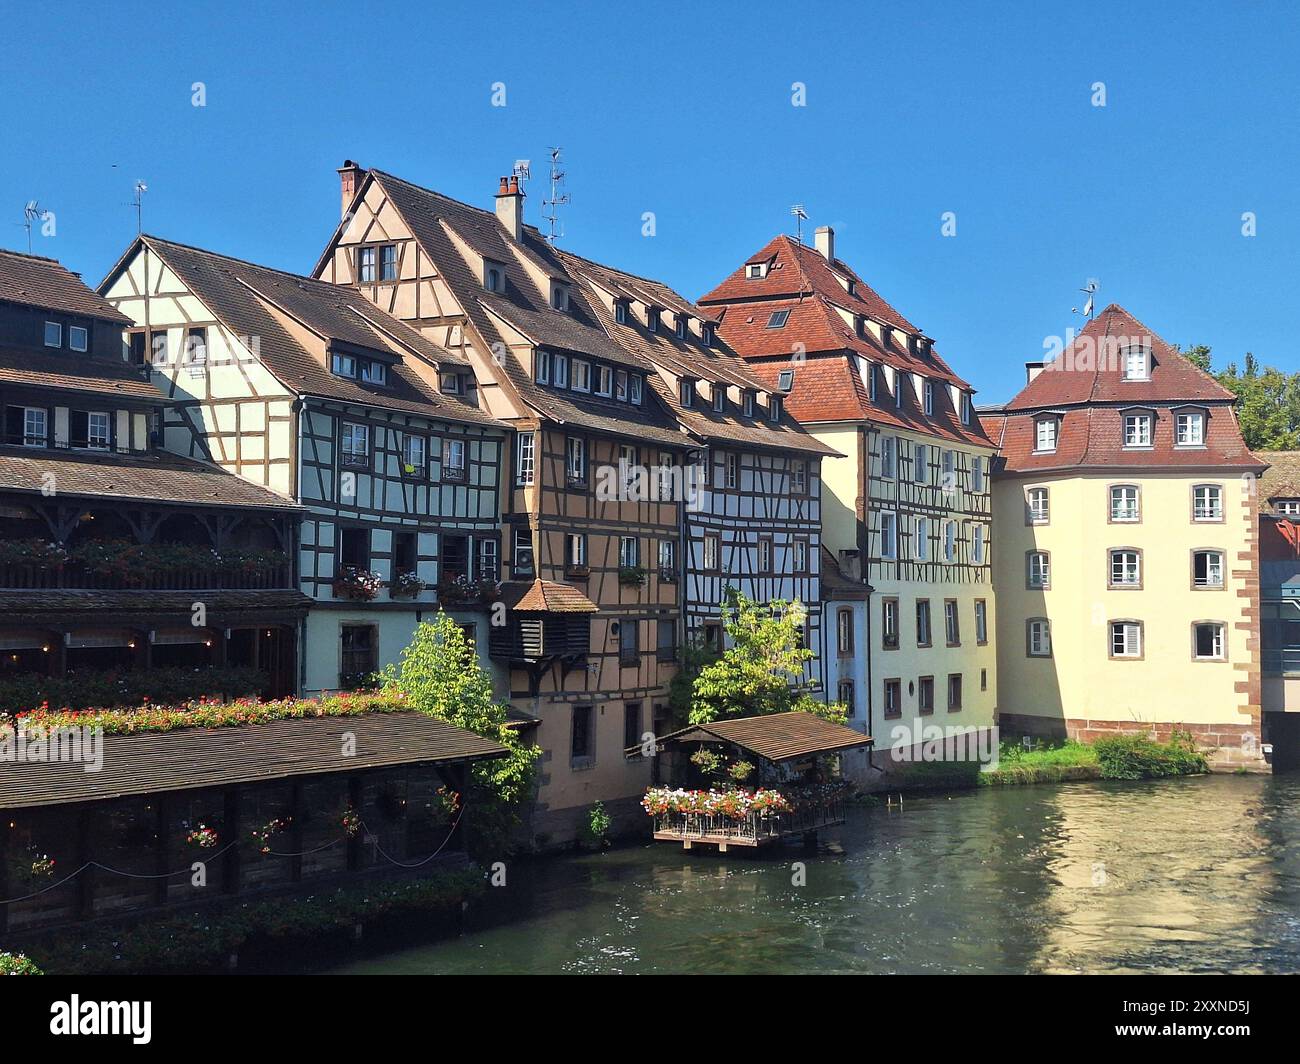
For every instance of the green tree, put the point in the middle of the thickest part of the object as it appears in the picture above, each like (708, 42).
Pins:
(762, 671)
(1268, 399)
(440, 675)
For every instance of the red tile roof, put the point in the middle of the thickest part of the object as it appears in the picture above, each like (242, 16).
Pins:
(820, 325)
(1088, 393)
(545, 596)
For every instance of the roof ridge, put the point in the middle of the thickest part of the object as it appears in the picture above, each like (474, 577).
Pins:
(35, 258)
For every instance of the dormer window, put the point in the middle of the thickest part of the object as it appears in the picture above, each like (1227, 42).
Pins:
(78, 338)
(53, 334)
(581, 375)
(560, 369)
(747, 403)
(774, 408)
(494, 277)
(965, 408)
(886, 336)
(755, 271)
(542, 369)
(388, 262)
(923, 346)
(706, 334)
(374, 372)
(680, 326)
(450, 383)
(777, 319)
(652, 319)
(929, 398)
(688, 393)
(785, 380)
(343, 365)
(1190, 429)
(560, 296)
(604, 381)
(620, 385)
(898, 390)
(1046, 430)
(1137, 363)
(1137, 430)
(634, 388)
(719, 396)
(620, 312)
(871, 381)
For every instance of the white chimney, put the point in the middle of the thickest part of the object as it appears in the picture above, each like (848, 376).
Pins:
(510, 207)
(1032, 370)
(350, 175)
(824, 241)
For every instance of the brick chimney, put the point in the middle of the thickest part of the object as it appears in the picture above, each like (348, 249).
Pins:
(1032, 370)
(350, 175)
(824, 242)
(510, 207)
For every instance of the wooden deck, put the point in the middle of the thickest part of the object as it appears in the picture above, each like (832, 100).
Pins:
(754, 831)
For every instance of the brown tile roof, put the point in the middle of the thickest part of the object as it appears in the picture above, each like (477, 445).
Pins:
(437, 221)
(250, 299)
(149, 608)
(777, 736)
(34, 281)
(545, 596)
(189, 758)
(157, 477)
(1280, 481)
(835, 585)
(1091, 370)
(688, 357)
(1089, 395)
(81, 374)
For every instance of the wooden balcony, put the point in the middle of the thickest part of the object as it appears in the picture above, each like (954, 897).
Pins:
(73, 577)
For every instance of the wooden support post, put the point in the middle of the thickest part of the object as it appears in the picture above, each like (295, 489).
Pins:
(85, 884)
(232, 830)
(160, 850)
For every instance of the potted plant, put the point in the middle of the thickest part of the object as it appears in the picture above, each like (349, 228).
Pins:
(631, 576)
(405, 585)
(361, 585)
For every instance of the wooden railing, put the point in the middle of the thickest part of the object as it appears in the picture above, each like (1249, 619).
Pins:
(753, 829)
(72, 576)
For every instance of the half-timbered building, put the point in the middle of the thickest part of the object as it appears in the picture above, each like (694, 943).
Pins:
(315, 393)
(908, 510)
(588, 647)
(753, 501)
(116, 555)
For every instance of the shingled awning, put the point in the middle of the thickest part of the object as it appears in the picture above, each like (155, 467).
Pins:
(775, 736)
(545, 596)
(190, 758)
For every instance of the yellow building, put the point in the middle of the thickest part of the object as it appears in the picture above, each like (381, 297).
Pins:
(907, 510)
(1126, 560)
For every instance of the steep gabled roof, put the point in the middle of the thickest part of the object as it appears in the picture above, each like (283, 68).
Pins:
(1091, 370)
(252, 300)
(689, 357)
(440, 224)
(33, 281)
(1085, 389)
(78, 373)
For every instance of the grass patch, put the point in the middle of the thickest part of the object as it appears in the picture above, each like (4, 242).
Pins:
(1139, 757)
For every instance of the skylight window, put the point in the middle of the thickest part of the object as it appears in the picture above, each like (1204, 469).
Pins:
(777, 319)
(785, 380)
(756, 271)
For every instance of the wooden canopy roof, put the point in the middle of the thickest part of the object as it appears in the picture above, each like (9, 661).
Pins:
(775, 736)
(190, 758)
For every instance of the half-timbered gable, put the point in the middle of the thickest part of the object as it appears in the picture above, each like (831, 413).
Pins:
(753, 504)
(353, 413)
(908, 510)
(116, 555)
(582, 512)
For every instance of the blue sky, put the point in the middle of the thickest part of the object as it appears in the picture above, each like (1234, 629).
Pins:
(912, 110)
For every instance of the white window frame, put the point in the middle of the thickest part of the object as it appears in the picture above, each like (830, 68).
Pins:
(950, 541)
(31, 438)
(888, 535)
(1137, 363)
(1189, 429)
(1046, 434)
(106, 436)
(1130, 639)
(57, 326)
(889, 457)
(543, 368)
(604, 384)
(1219, 635)
(575, 459)
(634, 388)
(1137, 430)
(453, 453)
(1214, 564)
(353, 432)
(1038, 641)
(414, 446)
(581, 375)
(525, 458)
(1121, 513)
(73, 331)
(1212, 508)
(1039, 574)
(560, 370)
(1125, 567)
(921, 541)
(1038, 515)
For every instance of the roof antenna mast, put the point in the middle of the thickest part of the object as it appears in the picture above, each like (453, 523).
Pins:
(558, 198)
(1089, 290)
(32, 213)
(137, 201)
(800, 216)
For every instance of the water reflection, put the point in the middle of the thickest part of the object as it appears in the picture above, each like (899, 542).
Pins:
(1195, 875)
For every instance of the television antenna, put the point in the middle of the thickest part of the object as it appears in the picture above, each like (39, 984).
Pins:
(137, 201)
(558, 198)
(1089, 305)
(32, 213)
(523, 169)
(800, 216)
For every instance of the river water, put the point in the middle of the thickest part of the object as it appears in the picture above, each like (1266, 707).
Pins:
(1194, 875)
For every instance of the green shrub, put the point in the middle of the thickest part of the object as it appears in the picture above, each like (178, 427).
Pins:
(106, 688)
(1138, 757)
(595, 831)
(17, 964)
